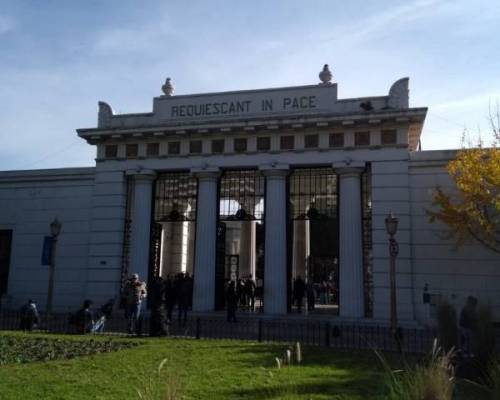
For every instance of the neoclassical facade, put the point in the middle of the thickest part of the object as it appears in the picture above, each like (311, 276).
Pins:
(289, 187)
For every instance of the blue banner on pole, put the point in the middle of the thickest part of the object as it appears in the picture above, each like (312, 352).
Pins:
(47, 250)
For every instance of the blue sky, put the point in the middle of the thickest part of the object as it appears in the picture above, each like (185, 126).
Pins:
(58, 58)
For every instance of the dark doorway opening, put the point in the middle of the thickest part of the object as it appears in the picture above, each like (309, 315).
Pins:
(313, 241)
(5, 251)
(240, 239)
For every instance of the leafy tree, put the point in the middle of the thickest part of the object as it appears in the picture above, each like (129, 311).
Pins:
(473, 212)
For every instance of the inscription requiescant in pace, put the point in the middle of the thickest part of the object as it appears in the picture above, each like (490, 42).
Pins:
(243, 107)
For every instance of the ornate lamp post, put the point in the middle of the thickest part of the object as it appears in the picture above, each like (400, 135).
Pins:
(55, 230)
(391, 225)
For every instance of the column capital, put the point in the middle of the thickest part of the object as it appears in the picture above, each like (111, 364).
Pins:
(349, 167)
(206, 173)
(274, 170)
(140, 174)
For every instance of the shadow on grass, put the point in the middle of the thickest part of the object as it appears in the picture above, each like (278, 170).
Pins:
(315, 356)
(334, 388)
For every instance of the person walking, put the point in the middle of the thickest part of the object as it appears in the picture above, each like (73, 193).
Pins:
(231, 301)
(250, 292)
(134, 293)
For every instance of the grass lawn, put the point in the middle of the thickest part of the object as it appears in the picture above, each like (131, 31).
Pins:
(206, 369)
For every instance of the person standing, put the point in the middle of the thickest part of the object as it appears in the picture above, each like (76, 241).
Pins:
(183, 298)
(231, 301)
(311, 296)
(169, 297)
(299, 289)
(29, 316)
(83, 319)
(157, 325)
(134, 293)
(468, 324)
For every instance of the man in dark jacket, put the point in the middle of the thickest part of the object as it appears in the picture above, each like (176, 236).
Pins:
(231, 301)
(170, 297)
(299, 289)
(83, 320)
(29, 316)
(183, 297)
(250, 292)
(157, 300)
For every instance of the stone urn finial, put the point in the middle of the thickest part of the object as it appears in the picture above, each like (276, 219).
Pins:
(168, 88)
(325, 76)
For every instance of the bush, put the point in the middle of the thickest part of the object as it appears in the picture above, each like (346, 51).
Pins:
(484, 337)
(21, 349)
(492, 380)
(447, 326)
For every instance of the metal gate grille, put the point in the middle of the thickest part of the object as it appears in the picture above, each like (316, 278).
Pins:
(313, 208)
(313, 193)
(175, 197)
(366, 194)
(127, 231)
(242, 195)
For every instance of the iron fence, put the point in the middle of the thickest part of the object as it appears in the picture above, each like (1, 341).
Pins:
(316, 333)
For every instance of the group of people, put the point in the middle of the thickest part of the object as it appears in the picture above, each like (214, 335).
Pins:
(165, 295)
(240, 293)
(323, 292)
(86, 321)
(81, 321)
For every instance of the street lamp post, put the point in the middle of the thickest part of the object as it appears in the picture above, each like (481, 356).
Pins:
(391, 225)
(55, 230)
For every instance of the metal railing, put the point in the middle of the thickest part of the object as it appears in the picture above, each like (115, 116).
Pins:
(317, 333)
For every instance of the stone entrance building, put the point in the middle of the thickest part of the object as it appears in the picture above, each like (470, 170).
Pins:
(283, 185)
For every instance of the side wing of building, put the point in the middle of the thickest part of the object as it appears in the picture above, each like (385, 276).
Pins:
(29, 202)
(441, 270)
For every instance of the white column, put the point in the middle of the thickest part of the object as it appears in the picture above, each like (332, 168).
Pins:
(301, 248)
(206, 221)
(275, 266)
(141, 222)
(351, 278)
(247, 249)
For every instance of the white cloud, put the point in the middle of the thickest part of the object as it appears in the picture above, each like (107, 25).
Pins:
(144, 38)
(352, 33)
(481, 100)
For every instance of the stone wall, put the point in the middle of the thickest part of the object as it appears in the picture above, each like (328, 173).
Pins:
(29, 202)
(449, 272)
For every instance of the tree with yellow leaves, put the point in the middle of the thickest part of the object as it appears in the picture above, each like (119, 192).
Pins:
(473, 212)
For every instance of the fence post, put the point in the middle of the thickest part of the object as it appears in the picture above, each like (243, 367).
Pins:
(328, 333)
(198, 327)
(259, 334)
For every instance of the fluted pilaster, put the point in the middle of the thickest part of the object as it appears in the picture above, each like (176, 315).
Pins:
(206, 229)
(351, 242)
(141, 222)
(275, 270)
